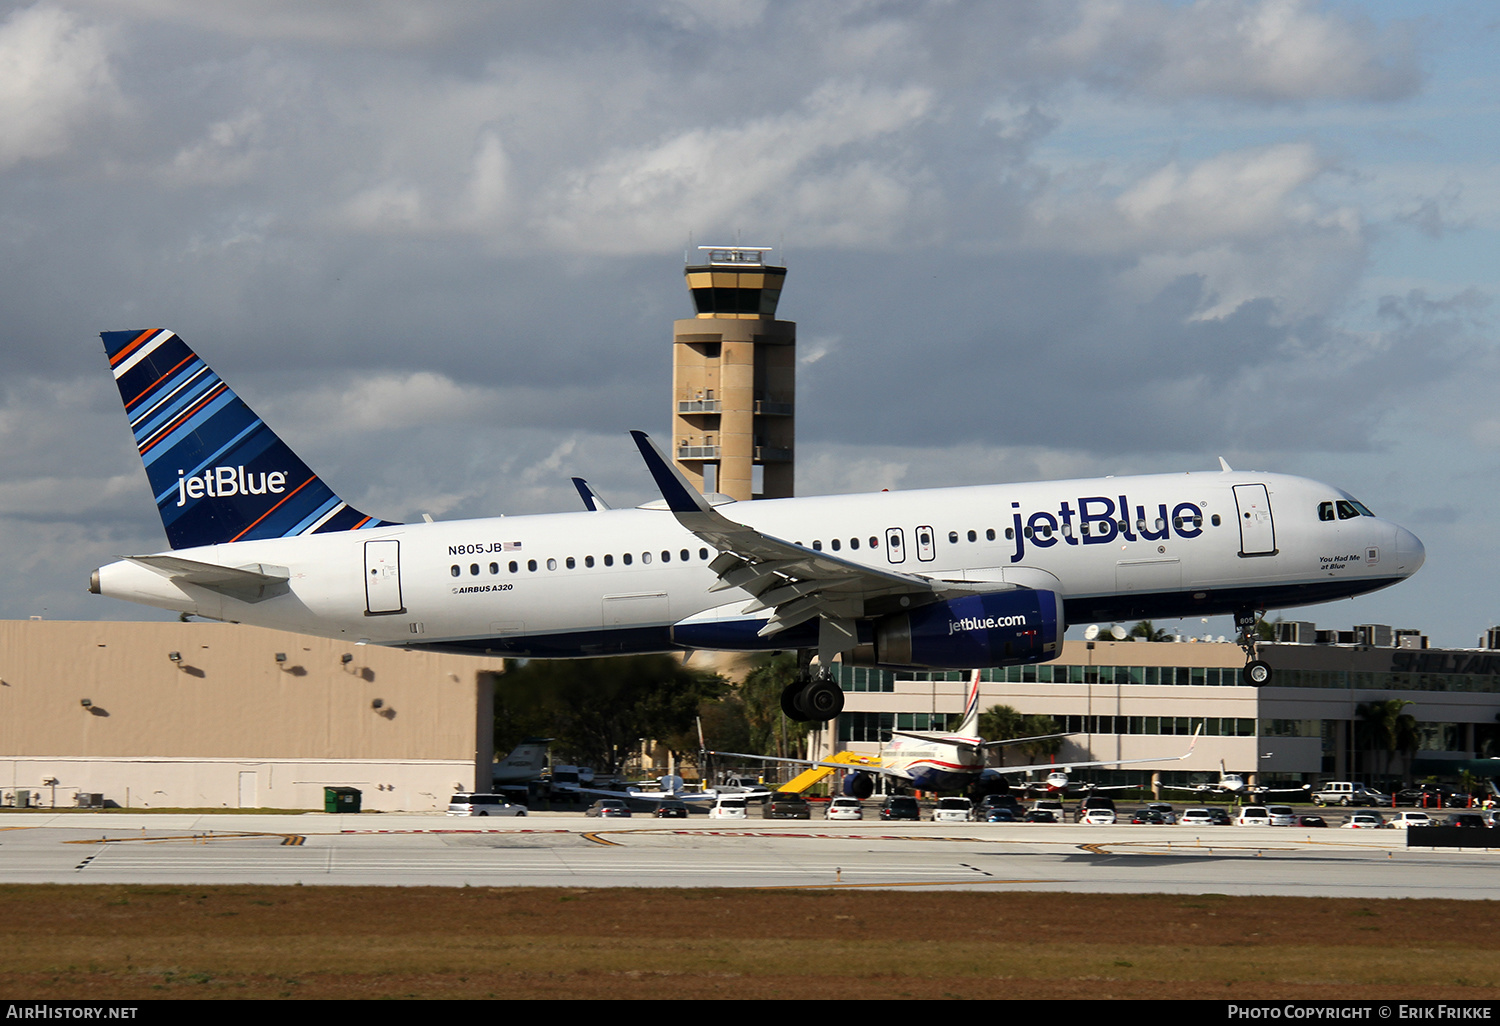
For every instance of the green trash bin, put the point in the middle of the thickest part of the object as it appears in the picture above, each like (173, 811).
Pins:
(341, 799)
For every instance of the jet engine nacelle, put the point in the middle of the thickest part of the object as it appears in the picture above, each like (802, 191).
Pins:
(858, 785)
(1000, 628)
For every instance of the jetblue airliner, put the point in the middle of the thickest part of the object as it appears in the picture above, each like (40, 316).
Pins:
(986, 575)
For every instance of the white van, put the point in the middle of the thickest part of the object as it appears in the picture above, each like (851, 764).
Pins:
(483, 805)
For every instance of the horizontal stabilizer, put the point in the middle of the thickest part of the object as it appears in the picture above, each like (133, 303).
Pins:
(248, 583)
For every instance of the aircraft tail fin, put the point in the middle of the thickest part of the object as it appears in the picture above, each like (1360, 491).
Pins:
(218, 473)
(970, 725)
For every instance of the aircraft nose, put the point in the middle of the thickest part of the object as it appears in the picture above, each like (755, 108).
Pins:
(1410, 553)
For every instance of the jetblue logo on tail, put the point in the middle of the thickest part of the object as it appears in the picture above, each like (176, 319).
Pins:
(222, 482)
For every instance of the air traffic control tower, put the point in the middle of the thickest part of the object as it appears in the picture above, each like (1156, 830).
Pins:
(734, 377)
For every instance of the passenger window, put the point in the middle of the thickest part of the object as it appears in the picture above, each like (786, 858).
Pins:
(454, 570)
(570, 564)
(854, 543)
(551, 564)
(1215, 520)
(989, 535)
(588, 561)
(952, 537)
(494, 568)
(609, 560)
(702, 553)
(874, 542)
(973, 536)
(531, 565)
(1026, 532)
(1010, 534)
(834, 545)
(625, 558)
(645, 557)
(514, 566)
(474, 569)
(685, 555)
(666, 555)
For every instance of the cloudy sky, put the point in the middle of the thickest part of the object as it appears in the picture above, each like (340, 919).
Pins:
(439, 247)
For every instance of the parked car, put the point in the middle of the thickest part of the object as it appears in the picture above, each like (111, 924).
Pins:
(1098, 817)
(1253, 815)
(990, 802)
(951, 810)
(1092, 802)
(1282, 815)
(1403, 820)
(1221, 816)
(670, 808)
(1364, 821)
(1052, 805)
(1196, 817)
(1035, 815)
(1469, 819)
(727, 808)
(467, 804)
(1345, 792)
(900, 807)
(785, 805)
(1167, 813)
(999, 814)
(608, 808)
(1148, 815)
(1432, 796)
(844, 808)
(1311, 821)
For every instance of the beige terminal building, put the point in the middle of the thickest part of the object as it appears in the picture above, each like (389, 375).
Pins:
(211, 715)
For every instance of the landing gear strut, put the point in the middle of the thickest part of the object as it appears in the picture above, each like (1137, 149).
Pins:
(812, 697)
(1257, 672)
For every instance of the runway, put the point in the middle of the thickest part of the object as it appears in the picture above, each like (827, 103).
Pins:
(569, 851)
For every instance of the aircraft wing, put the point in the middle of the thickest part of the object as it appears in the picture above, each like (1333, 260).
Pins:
(859, 767)
(1284, 790)
(1055, 766)
(798, 583)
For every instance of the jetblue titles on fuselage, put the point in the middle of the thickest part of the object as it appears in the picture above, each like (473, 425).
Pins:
(1099, 523)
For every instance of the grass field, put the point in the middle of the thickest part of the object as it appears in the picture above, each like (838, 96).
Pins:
(136, 942)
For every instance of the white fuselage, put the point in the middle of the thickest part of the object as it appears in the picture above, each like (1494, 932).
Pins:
(614, 581)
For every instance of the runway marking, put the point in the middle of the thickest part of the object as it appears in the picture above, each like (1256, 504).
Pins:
(894, 883)
(286, 839)
(594, 836)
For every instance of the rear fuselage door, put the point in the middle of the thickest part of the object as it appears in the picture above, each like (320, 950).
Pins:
(1257, 532)
(383, 578)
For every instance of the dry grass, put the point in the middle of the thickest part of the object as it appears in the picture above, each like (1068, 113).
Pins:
(135, 942)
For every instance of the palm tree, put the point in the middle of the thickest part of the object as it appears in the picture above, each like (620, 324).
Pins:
(1148, 631)
(1385, 728)
(1001, 723)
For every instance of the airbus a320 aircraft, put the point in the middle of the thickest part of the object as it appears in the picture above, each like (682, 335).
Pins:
(986, 575)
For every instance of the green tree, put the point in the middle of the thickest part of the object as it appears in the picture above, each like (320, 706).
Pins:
(1385, 728)
(1148, 631)
(1001, 723)
(1038, 726)
(600, 709)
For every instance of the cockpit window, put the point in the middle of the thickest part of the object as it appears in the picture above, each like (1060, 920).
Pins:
(1344, 509)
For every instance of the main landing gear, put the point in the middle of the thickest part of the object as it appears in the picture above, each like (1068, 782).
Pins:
(814, 696)
(1257, 672)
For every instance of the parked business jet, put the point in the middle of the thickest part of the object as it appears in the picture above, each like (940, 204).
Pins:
(939, 761)
(956, 577)
(1234, 784)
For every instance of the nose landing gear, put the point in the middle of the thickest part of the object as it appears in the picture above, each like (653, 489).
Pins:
(1257, 672)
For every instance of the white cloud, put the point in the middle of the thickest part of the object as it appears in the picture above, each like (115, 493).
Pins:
(710, 179)
(55, 78)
